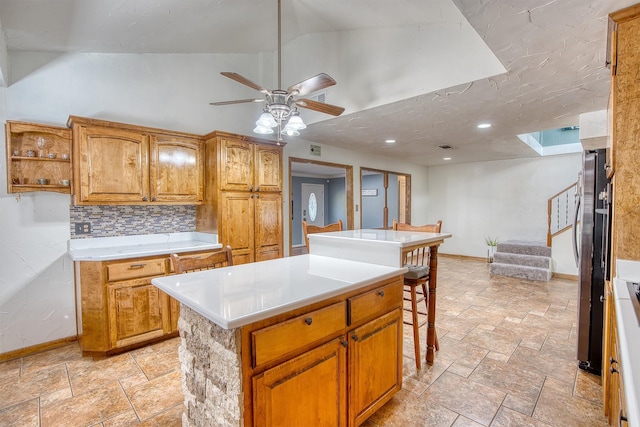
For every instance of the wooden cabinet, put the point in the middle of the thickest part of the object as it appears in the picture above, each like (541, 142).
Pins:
(126, 164)
(614, 398)
(283, 394)
(244, 206)
(332, 365)
(135, 313)
(375, 365)
(38, 152)
(118, 307)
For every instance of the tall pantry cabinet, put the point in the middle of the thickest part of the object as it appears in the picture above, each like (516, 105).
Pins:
(624, 154)
(243, 197)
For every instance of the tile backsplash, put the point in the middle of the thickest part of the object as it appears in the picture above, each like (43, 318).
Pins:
(120, 220)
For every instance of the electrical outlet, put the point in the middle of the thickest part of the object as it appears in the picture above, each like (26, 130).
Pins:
(83, 228)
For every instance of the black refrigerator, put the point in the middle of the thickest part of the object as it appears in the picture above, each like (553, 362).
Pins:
(591, 247)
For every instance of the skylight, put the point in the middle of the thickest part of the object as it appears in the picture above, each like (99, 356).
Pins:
(554, 141)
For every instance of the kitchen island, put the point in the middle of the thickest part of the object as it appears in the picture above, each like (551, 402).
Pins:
(306, 340)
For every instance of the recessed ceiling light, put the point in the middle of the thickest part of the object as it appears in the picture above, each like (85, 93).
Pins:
(484, 125)
(390, 141)
(446, 158)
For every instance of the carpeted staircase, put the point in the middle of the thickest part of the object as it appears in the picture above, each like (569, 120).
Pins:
(526, 260)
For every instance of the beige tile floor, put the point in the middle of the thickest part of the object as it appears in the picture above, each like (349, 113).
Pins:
(506, 359)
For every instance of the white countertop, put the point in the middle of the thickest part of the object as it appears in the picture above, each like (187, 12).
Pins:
(628, 337)
(236, 296)
(370, 245)
(110, 248)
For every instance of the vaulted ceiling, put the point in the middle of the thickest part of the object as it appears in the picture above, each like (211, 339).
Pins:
(424, 73)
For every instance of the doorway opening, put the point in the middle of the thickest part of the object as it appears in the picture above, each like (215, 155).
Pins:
(336, 181)
(385, 196)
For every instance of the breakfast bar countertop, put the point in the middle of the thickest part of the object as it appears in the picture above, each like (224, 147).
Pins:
(121, 247)
(383, 247)
(235, 296)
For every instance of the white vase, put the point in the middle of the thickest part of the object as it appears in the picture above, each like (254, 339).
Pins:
(491, 250)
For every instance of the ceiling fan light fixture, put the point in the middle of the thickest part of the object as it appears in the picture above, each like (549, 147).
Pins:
(295, 122)
(263, 130)
(266, 120)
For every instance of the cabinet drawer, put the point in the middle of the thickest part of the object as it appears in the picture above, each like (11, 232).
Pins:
(277, 340)
(133, 269)
(375, 302)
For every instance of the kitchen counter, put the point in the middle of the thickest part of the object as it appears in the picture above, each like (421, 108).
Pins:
(235, 296)
(121, 247)
(384, 247)
(628, 337)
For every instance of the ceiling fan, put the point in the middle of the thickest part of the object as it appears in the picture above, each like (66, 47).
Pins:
(282, 104)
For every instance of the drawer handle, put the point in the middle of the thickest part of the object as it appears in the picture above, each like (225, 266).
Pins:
(136, 266)
(621, 418)
(308, 320)
(381, 293)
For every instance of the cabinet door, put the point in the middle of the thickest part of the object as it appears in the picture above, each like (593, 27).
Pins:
(237, 229)
(174, 314)
(176, 170)
(268, 226)
(309, 390)
(268, 168)
(113, 165)
(135, 313)
(375, 365)
(236, 165)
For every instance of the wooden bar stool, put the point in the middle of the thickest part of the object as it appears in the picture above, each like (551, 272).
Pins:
(310, 229)
(188, 263)
(415, 283)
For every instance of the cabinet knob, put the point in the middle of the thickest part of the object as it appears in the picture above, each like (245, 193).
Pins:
(381, 293)
(344, 343)
(250, 188)
(144, 199)
(613, 370)
(355, 337)
(257, 196)
(308, 320)
(257, 188)
(612, 360)
(153, 199)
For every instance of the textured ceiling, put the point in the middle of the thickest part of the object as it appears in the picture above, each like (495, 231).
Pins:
(553, 53)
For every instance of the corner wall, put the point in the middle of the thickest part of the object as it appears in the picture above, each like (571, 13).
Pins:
(506, 198)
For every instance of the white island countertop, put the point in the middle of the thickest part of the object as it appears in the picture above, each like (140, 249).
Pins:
(236, 296)
(371, 245)
(121, 247)
(628, 337)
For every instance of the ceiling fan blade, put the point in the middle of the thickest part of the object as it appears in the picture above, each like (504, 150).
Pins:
(245, 81)
(312, 84)
(237, 101)
(320, 106)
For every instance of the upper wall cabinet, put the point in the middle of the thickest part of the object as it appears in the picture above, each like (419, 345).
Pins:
(248, 166)
(125, 164)
(38, 158)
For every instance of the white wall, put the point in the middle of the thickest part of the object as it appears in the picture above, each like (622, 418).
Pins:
(505, 198)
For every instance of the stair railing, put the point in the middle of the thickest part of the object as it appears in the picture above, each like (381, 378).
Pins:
(560, 208)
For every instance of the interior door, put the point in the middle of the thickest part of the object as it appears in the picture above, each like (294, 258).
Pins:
(312, 204)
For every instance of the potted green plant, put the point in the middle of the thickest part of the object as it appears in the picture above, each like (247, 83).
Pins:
(492, 244)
